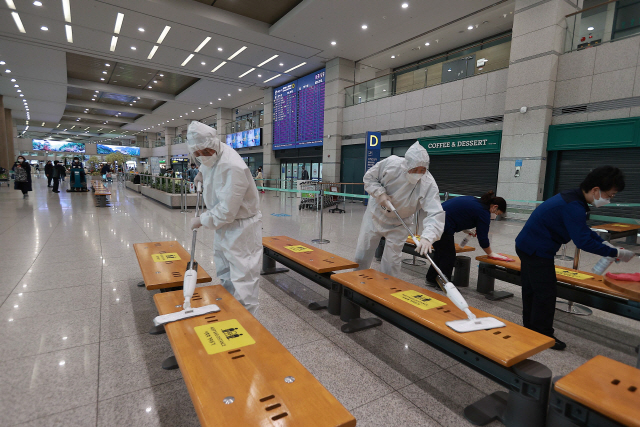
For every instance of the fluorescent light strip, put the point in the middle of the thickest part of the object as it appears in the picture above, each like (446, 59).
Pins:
(69, 33)
(187, 60)
(66, 9)
(204, 42)
(10, 4)
(219, 66)
(242, 75)
(119, 20)
(114, 41)
(276, 76)
(270, 59)
(293, 68)
(237, 53)
(164, 34)
(153, 52)
(16, 18)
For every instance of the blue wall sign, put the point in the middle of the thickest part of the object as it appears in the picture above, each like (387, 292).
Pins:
(374, 141)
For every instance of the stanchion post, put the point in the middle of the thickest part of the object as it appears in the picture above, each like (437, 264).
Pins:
(321, 240)
(446, 196)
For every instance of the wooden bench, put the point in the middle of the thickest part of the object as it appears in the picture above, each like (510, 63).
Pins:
(259, 384)
(309, 261)
(101, 193)
(602, 392)
(616, 231)
(499, 354)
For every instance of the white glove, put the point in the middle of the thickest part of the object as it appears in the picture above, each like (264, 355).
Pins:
(197, 179)
(498, 256)
(471, 233)
(195, 223)
(383, 198)
(625, 255)
(424, 246)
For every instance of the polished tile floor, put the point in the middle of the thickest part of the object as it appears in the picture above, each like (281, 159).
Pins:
(74, 348)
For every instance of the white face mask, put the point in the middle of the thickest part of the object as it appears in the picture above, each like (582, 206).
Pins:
(600, 201)
(208, 161)
(414, 178)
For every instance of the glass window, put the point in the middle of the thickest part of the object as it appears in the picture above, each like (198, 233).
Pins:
(385, 152)
(400, 151)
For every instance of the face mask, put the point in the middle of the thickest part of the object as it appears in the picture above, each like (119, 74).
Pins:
(208, 161)
(600, 201)
(414, 178)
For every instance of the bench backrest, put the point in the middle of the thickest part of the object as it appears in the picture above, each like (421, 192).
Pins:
(506, 346)
(163, 264)
(268, 385)
(306, 255)
(606, 386)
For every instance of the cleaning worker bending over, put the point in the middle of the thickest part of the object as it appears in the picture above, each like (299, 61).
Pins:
(409, 186)
(232, 211)
(558, 220)
(463, 214)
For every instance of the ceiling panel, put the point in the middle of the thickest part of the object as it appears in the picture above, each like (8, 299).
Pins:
(269, 11)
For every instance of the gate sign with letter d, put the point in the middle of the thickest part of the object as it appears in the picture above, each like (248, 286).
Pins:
(374, 141)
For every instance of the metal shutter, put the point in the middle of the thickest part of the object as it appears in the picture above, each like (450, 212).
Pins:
(573, 167)
(468, 174)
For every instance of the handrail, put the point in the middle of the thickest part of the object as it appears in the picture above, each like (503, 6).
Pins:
(589, 8)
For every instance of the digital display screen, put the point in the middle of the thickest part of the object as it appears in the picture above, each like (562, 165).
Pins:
(58, 146)
(108, 149)
(298, 112)
(244, 139)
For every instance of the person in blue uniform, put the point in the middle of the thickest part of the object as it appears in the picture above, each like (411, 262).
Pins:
(555, 222)
(462, 214)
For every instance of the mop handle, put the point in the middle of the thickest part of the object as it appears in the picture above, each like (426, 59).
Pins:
(195, 232)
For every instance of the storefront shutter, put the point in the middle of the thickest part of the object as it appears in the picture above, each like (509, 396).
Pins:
(467, 174)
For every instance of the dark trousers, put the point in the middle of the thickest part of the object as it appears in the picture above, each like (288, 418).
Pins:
(538, 276)
(49, 178)
(444, 256)
(56, 182)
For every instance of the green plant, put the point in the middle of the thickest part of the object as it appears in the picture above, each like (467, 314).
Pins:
(117, 157)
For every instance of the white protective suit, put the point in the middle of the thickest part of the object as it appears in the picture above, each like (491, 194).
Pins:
(390, 176)
(232, 211)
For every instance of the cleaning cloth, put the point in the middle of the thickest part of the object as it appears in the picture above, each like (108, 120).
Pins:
(501, 259)
(625, 277)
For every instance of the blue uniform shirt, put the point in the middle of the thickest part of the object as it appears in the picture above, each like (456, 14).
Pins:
(466, 212)
(557, 221)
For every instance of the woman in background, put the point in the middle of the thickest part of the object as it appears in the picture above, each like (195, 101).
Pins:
(22, 172)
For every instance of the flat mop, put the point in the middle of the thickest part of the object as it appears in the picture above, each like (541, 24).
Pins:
(472, 323)
(189, 284)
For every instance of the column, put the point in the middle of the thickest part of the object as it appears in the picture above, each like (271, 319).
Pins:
(12, 132)
(224, 116)
(169, 134)
(151, 139)
(5, 156)
(538, 39)
(339, 75)
(270, 165)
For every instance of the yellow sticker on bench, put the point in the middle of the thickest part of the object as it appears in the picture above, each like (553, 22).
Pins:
(619, 225)
(298, 248)
(574, 274)
(173, 256)
(418, 299)
(223, 336)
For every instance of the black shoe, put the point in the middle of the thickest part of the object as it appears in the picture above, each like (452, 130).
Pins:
(56, 191)
(432, 284)
(559, 345)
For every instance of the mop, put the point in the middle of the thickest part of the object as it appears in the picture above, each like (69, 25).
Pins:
(472, 323)
(189, 285)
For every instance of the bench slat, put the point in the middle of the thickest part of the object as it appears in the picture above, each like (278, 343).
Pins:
(596, 283)
(506, 346)
(630, 289)
(252, 373)
(592, 385)
(170, 273)
(318, 260)
(616, 228)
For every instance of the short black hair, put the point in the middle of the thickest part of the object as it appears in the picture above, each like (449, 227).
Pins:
(193, 164)
(605, 178)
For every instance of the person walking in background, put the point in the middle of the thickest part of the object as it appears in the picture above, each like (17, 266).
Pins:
(260, 179)
(305, 174)
(22, 172)
(48, 171)
(58, 173)
(191, 173)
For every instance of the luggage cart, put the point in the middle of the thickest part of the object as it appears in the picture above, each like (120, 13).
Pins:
(308, 200)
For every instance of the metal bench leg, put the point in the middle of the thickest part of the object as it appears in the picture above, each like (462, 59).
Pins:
(462, 271)
(269, 266)
(486, 286)
(350, 313)
(157, 330)
(632, 240)
(333, 304)
(141, 284)
(170, 363)
(524, 406)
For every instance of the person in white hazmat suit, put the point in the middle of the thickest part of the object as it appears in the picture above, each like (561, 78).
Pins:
(232, 211)
(408, 185)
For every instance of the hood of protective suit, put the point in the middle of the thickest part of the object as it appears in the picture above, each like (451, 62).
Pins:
(201, 136)
(416, 156)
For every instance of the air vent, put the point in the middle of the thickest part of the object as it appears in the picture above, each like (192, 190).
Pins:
(574, 109)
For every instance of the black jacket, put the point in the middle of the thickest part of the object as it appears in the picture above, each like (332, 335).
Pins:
(48, 169)
(59, 171)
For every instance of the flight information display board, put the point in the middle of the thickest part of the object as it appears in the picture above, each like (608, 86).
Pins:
(298, 112)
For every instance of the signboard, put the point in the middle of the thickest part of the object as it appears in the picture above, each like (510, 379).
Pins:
(470, 143)
(244, 139)
(374, 141)
(108, 149)
(223, 336)
(58, 146)
(298, 112)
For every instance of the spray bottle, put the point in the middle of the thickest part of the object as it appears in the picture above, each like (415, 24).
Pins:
(604, 262)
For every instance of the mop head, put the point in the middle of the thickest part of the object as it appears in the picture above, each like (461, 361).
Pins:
(477, 324)
(184, 314)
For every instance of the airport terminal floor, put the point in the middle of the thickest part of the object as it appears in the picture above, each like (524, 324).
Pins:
(75, 351)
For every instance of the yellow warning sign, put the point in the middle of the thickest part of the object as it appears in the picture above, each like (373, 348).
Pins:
(223, 336)
(620, 225)
(573, 274)
(173, 256)
(411, 237)
(298, 248)
(418, 299)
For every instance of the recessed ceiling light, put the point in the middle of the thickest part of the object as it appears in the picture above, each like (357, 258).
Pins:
(203, 63)
(393, 57)
(19, 91)
(150, 87)
(219, 99)
(16, 85)
(245, 73)
(590, 29)
(218, 67)
(204, 42)
(43, 28)
(268, 80)
(114, 41)
(102, 78)
(18, 22)
(155, 81)
(293, 68)
(333, 43)
(66, 9)
(37, 3)
(259, 75)
(13, 80)
(470, 27)
(141, 29)
(427, 44)
(133, 48)
(364, 27)
(119, 20)
(228, 94)
(69, 33)
(405, 5)
(104, 72)
(21, 94)
(153, 52)
(238, 52)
